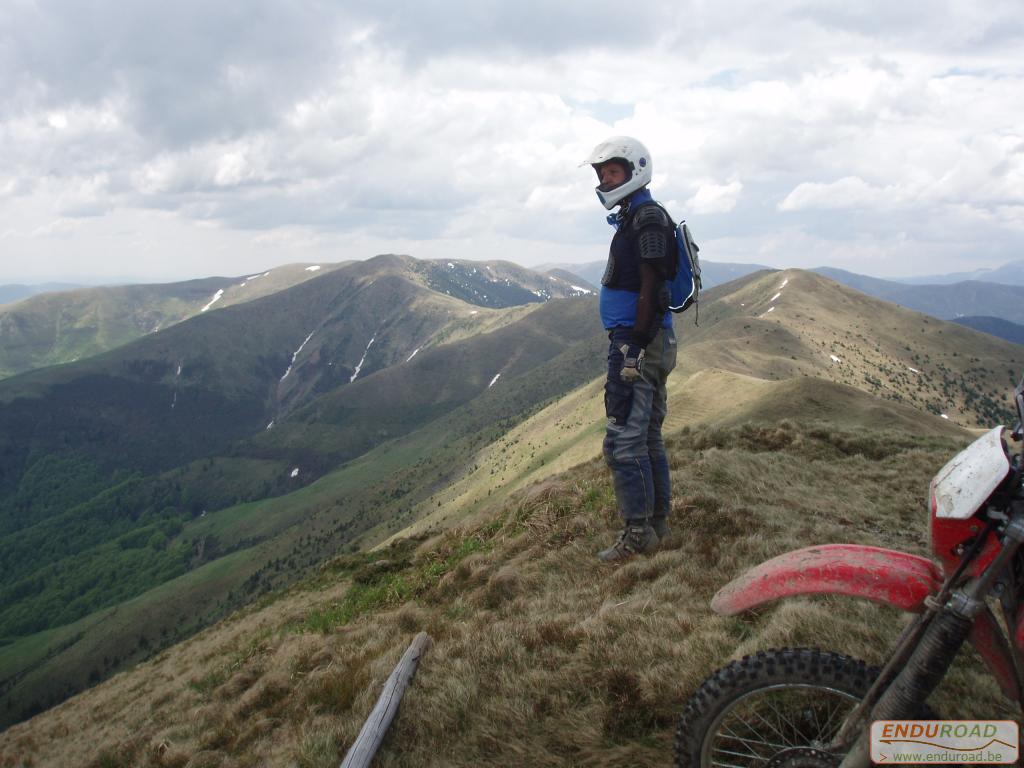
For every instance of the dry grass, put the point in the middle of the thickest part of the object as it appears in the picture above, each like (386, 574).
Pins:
(817, 328)
(542, 655)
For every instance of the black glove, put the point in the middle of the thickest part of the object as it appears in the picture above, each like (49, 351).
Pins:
(632, 363)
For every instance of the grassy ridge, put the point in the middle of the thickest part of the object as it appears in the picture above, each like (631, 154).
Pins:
(542, 656)
(796, 323)
(276, 539)
(57, 328)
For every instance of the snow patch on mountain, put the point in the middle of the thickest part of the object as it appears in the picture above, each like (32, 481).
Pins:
(295, 354)
(360, 366)
(216, 297)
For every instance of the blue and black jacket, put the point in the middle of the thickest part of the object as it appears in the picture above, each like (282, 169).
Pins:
(633, 290)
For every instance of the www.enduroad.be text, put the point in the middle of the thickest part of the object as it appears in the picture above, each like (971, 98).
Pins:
(983, 756)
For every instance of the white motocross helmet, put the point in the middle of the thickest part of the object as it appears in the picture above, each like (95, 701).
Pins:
(634, 155)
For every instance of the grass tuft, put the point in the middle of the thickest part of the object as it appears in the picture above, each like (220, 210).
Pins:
(629, 712)
(335, 690)
(319, 748)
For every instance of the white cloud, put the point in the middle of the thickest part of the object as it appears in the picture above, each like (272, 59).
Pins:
(59, 228)
(715, 198)
(245, 131)
(848, 192)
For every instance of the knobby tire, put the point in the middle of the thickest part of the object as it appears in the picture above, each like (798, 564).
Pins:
(814, 689)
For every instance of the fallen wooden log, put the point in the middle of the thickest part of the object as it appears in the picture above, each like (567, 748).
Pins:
(376, 726)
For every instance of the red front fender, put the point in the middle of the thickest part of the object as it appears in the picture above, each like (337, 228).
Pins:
(882, 575)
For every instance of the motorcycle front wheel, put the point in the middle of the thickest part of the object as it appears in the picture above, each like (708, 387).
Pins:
(775, 709)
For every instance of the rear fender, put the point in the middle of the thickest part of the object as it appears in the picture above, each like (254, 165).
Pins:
(882, 575)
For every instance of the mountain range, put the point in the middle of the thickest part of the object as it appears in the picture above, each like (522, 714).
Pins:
(961, 299)
(966, 298)
(1011, 273)
(114, 468)
(64, 326)
(994, 326)
(148, 491)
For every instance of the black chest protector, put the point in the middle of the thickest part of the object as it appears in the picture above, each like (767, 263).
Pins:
(645, 235)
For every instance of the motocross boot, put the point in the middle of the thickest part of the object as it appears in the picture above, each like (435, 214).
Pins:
(636, 539)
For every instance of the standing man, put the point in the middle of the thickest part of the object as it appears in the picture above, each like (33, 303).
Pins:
(634, 310)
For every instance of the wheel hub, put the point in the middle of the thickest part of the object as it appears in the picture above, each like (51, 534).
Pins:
(802, 757)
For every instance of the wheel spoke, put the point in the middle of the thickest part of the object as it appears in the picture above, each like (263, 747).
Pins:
(743, 743)
(780, 734)
(794, 728)
(758, 749)
(829, 731)
(817, 722)
(726, 765)
(720, 751)
(746, 742)
(751, 759)
(761, 739)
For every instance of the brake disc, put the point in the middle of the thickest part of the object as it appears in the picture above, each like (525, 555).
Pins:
(803, 757)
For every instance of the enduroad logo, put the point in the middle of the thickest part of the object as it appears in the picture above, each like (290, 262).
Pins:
(940, 742)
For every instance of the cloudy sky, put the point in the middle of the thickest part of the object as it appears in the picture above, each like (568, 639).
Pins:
(160, 141)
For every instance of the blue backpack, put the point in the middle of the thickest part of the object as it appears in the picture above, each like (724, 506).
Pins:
(684, 286)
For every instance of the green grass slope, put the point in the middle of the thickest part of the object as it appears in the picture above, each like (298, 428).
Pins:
(270, 542)
(542, 655)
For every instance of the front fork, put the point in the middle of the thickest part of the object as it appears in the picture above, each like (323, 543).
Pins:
(934, 654)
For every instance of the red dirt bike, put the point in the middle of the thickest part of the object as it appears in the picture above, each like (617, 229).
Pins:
(801, 708)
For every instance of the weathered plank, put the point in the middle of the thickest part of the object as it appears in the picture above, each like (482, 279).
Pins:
(376, 726)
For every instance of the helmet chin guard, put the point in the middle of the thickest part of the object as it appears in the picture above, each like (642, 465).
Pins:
(636, 159)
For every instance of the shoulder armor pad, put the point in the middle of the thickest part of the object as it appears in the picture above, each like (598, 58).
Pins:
(651, 216)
